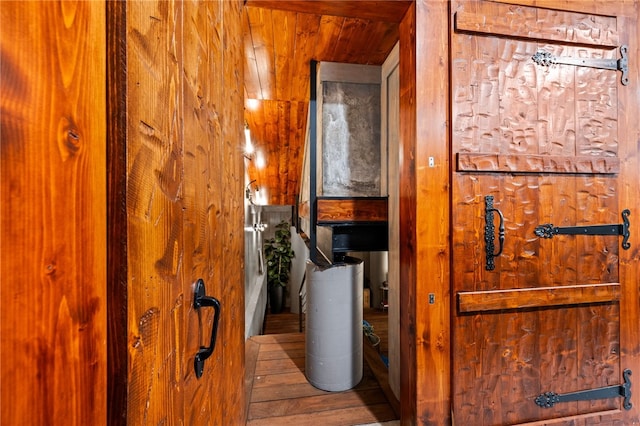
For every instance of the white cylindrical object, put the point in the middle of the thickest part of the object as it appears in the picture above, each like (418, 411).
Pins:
(333, 330)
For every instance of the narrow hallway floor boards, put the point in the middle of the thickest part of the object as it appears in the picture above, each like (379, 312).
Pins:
(281, 395)
(278, 392)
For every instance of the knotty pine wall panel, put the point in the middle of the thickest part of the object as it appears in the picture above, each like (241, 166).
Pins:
(53, 351)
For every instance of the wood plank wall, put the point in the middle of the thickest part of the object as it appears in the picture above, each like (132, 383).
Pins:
(53, 186)
(183, 197)
(424, 215)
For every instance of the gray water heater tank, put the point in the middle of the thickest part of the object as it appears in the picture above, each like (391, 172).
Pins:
(333, 332)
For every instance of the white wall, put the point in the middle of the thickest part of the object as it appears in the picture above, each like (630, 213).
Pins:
(297, 269)
(255, 282)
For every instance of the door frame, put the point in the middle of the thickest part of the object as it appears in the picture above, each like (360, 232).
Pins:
(424, 214)
(117, 272)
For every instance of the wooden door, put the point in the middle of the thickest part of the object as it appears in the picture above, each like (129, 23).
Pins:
(545, 314)
(53, 244)
(177, 211)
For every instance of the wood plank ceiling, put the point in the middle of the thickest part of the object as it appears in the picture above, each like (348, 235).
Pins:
(280, 38)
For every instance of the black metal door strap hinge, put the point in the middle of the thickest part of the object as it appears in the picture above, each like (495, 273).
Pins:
(490, 231)
(548, 230)
(544, 58)
(548, 399)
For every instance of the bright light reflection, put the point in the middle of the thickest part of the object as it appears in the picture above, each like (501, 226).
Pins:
(260, 163)
(253, 104)
(261, 196)
(248, 146)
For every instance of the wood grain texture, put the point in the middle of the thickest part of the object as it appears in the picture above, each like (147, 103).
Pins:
(280, 393)
(424, 212)
(230, 243)
(117, 272)
(433, 271)
(407, 225)
(184, 201)
(510, 117)
(53, 353)
(341, 210)
(387, 11)
(539, 24)
(532, 163)
(282, 126)
(573, 117)
(526, 298)
(629, 196)
(280, 39)
(202, 140)
(372, 357)
(155, 212)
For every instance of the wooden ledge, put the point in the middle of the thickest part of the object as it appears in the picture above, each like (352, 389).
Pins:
(539, 297)
(351, 209)
(530, 163)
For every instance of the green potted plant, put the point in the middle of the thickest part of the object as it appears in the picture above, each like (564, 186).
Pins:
(278, 255)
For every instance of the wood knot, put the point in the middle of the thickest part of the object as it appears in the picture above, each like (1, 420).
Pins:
(50, 269)
(69, 139)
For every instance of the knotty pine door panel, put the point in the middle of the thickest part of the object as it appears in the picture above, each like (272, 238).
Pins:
(544, 142)
(184, 211)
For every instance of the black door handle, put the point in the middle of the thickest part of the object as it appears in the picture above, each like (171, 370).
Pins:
(201, 300)
(489, 233)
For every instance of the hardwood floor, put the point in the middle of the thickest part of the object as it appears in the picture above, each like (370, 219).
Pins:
(279, 394)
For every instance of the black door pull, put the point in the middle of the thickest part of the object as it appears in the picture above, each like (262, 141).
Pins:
(203, 301)
(489, 233)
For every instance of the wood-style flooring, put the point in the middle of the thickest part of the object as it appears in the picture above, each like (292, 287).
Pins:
(278, 392)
